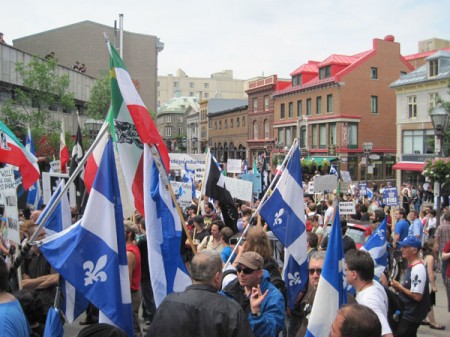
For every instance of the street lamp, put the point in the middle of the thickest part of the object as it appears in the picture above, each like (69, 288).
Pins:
(93, 126)
(367, 148)
(439, 118)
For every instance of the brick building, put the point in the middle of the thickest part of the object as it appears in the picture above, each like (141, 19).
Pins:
(261, 140)
(336, 105)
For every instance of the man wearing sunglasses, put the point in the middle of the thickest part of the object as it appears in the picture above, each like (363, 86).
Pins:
(266, 311)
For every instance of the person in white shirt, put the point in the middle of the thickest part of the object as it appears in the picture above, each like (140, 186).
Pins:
(329, 213)
(359, 271)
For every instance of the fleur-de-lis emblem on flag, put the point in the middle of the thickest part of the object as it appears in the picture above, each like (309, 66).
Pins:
(95, 273)
(278, 215)
(380, 233)
(294, 278)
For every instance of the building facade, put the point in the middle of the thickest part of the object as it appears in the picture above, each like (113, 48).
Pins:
(84, 42)
(417, 94)
(171, 122)
(218, 85)
(336, 105)
(261, 139)
(79, 84)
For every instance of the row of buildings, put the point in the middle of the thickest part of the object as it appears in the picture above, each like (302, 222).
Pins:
(377, 100)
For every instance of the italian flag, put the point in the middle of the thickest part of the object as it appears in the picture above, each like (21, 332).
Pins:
(14, 153)
(63, 151)
(131, 125)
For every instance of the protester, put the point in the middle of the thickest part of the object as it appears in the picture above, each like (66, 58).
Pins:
(414, 291)
(32, 307)
(429, 252)
(13, 322)
(200, 311)
(226, 234)
(442, 237)
(416, 227)
(359, 272)
(401, 227)
(355, 320)
(214, 240)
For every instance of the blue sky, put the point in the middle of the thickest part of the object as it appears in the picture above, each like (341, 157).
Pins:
(252, 37)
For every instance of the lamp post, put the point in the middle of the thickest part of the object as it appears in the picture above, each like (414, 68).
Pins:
(367, 148)
(93, 126)
(439, 119)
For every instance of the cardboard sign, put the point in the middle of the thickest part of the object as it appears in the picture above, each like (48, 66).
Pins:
(239, 189)
(347, 207)
(362, 189)
(8, 190)
(183, 193)
(255, 179)
(346, 176)
(311, 187)
(234, 166)
(50, 182)
(56, 166)
(390, 196)
(325, 184)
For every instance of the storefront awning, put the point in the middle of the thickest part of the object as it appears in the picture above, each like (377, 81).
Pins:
(409, 166)
(319, 160)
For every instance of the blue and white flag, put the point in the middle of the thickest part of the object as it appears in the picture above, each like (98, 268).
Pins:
(245, 167)
(330, 294)
(377, 247)
(34, 196)
(285, 214)
(189, 176)
(91, 254)
(333, 170)
(53, 324)
(61, 217)
(167, 270)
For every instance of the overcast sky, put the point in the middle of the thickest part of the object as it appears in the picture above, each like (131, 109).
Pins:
(251, 37)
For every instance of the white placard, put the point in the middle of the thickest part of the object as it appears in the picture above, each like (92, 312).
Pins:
(239, 189)
(8, 189)
(311, 187)
(183, 193)
(50, 182)
(56, 166)
(234, 166)
(326, 183)
(346, 176)
(347, 207)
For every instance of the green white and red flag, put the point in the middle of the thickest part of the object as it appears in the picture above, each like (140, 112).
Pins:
(131, 125)
(63, 151)
(13, 152)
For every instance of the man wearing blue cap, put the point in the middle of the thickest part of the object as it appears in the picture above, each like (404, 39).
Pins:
(414, 291)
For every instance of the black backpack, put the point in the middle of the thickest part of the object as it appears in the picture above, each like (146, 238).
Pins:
(395, 304)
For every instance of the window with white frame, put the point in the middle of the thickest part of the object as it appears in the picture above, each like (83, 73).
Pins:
(168, 131)
(299, 108)
(322, 136)
(314, 136)
(374, 104)
(352, 142)
(418, 141)
(332, 134)
(434, 100)
(412, 106)
(433, 68)
(330, 103)
(168, 119)
(255, 104)
(374, 73)
(266, 103)
(180, 131)
(291, 110)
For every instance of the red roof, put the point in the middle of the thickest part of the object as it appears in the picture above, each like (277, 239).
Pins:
(338, 59)
(424, 54)
(310, 67)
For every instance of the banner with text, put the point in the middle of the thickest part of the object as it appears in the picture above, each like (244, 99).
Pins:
(8, 190)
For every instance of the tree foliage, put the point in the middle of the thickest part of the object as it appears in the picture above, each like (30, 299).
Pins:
(100, 98)
(438, 170)
(43, 90)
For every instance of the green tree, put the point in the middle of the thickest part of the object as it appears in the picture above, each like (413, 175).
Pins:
(446, 140)
(43, 90)
(100, 98)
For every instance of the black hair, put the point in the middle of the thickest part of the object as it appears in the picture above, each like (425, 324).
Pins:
(361, 262)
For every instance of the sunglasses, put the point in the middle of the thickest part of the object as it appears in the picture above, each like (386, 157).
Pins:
(317, 270)
(246, 271)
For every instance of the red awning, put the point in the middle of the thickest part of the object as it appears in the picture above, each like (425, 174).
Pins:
(409, 166)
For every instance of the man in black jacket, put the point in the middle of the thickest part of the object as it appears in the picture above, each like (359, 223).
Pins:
(200, 310)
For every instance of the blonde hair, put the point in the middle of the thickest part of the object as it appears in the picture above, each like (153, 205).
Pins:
(257, 241)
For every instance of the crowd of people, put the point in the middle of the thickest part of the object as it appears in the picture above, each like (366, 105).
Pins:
(238, 288)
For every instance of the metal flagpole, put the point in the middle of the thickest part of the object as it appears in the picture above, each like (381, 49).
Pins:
(263, 200)
(77, 171)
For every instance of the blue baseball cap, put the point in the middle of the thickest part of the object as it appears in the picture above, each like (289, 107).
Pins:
(410, 241)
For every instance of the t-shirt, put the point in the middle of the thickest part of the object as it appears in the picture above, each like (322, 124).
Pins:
(402, 228)
(226, 252)
(329, 214)
(13, 322)
(375, 298)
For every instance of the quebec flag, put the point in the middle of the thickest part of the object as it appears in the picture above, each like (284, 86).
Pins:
(91, 254)
(285, 214)
(376, 246)
(167, 270)
(330, 294)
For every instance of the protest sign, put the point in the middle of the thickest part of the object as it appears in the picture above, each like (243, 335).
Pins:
(346, 176)
(8, 190)
(234, 166)
(390, 196)
(347, 207)
(183, 193)
(56, 166)
(50, 182)
(363, 189)
(254, 178)
(310, 187)
(325, 184)
(239, 189)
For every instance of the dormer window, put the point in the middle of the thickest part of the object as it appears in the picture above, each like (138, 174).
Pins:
(296, 80)
(324, 72)
(433, 68)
